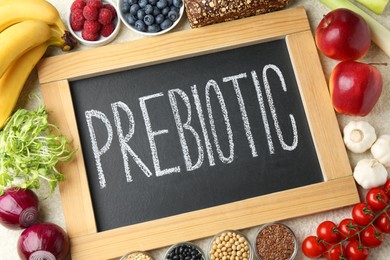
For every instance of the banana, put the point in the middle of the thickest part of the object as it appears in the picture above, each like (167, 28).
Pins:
(15, 11)
(13, 80)
(20, 38)
(63, 39)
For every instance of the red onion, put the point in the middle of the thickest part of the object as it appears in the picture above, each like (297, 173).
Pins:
(43, 241)
(18, 208)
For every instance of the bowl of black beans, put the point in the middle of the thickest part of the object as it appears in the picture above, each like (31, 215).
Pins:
(150, 17)
(185, 250)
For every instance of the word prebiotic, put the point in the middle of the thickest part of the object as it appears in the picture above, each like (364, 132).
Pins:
(207, 141)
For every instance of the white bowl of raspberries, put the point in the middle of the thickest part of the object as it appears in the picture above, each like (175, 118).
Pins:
(150, 17)
(93, 22)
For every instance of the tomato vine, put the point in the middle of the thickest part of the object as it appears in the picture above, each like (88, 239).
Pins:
(353, 238)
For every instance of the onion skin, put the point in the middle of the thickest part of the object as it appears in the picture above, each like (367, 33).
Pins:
(43, 241)
(19, 208)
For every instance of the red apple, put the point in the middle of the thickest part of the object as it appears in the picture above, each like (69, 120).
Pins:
(355, 87)
(343, 35)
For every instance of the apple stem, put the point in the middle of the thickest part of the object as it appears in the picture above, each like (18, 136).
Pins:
(378, 63)
(327, 21)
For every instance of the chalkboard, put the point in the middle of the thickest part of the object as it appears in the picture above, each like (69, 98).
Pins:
(269, 151)
(193, 133)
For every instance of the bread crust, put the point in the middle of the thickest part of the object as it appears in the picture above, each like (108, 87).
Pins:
(205, 12)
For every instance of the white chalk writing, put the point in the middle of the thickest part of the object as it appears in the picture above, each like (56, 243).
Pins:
(202, 129)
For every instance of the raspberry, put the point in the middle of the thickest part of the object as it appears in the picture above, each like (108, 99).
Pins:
(95, 3)
(105, 16)
(77, 4)
(107, 29)
(90, 13)
(76, 26)
(77, 16)
(92, 26)
(90, 36)
(112, 9)
(77, 20)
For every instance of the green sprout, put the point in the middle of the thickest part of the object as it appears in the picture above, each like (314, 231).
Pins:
(30, 148)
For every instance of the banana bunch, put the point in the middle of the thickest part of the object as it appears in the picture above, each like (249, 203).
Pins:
(27, 29)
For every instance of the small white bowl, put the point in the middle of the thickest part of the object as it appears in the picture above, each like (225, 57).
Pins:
(103, 40)
(137, 255)
(225, 232)
(121, 15)
(275, 240)
(189, 244)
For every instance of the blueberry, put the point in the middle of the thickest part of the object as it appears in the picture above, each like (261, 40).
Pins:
(140, 26)
(125, 7)
(140, 14)
(131, 2)
(173, 15)
(149, 19)
(166, 24)
(154, 28)
(152, 2)
(156, 11)
(159, 19)
(169, 2)
(148, 9)
(166, 10)
(174, 8)
(134, 8)
(142, 3)
(130, 19)
(161, 4)
(177, 3)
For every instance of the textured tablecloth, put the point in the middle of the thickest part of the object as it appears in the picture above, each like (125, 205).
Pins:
(51, 208)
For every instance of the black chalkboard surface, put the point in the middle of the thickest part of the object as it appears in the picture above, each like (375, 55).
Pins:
(193, 133)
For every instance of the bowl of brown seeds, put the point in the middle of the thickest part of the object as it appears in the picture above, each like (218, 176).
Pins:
(230, 244)
(275, 241)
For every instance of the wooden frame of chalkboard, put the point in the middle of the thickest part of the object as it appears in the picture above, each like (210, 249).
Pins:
(336, 191)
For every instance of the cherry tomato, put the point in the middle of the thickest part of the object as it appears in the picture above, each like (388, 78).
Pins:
(356, 251)
(312, 247)
(377, 198)
(335, 252)
(383, 222)
(328, 232)
(362, 214)
(371, 237)
(348, 229)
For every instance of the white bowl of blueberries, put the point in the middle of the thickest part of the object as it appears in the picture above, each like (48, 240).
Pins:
(150, 17)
